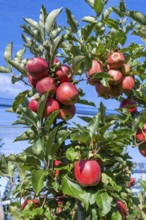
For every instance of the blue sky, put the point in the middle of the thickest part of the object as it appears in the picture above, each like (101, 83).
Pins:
(11, 17)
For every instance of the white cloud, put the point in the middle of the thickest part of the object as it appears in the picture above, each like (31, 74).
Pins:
(9, 90)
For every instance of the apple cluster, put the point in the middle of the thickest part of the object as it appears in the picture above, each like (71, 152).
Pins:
(120, 78)
(62, 93)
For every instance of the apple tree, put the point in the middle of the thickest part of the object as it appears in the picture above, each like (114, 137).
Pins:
(78, 168)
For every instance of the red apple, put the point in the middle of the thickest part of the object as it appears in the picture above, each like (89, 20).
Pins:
(102, 90)
(55, 60)
(132, 182)
(127, 83)
(32, 81)
(47, 84)
(55, 164)
(142, 148)
(130, 104)
(87, 172)
(33, 105)
(97, 67)
(125, 69)
(116, 75)
(64, 73)
(116, 60)
(67, 93)
(51, 106)
(34, 201)
(122, 208)
(67, 112)
(37, 67)
(141, 134)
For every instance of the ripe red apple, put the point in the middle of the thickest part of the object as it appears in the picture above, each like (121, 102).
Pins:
(55, 60)
(33, 105)
(117, 76)
(34, 201)
(67, 93)
(142, 148)
(87, 172)
(141, 134)
(115, 90)
(127, 83)
(64, 73)
(132, 182)
(97, 67)
(47, 84)
(55, 164)
(32, 81)
(130, 104)
(37, 67)
(122, 208)
(125, 69)
(102, 90)
(51, 106)
(116, 60)
(67, 112)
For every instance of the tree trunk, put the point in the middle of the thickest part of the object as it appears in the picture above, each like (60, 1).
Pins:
(80, 211)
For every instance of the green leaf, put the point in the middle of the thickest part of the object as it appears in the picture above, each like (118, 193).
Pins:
(43, 15)
(80, 136)
(73, 189)
(51, 19)
(116, 215)
(111, 23)
(98, 6)
(19, 99)
(55, 45)
(77, 61)
(8, 52)
(89, 19)
(71, 21)
(137, 16)
(19, 54)
(94, 124)
(143, 184)
(85, 102)
(42, 103)
(49, 121)
(18, 66)
(90, 2)
(32, 23)
(27, 135)
(38, 180)
(4, 69)
(103, 201)
(38, 145)
(71, 154)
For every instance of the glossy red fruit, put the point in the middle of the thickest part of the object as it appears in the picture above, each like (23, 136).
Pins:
(51, 106)
(141, 134)
(116, 75)
(102, 90)
(56, 60)
(33, 105)
(127, 83)
(67, 93)
(116, 60)
(125, 69)
(67, 112)
(87, 172)
(97, 67)
(132, 182)
(37, 67)
(64, 73)
(130, 104)
(47, 84)
(122, 208)
(32, 81)
(34, 201)
(142, 148)
(55, 164)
